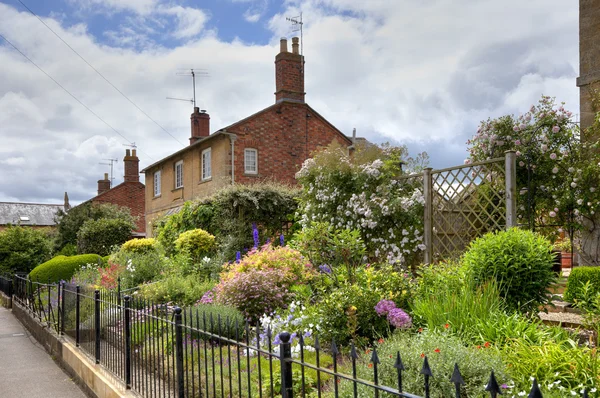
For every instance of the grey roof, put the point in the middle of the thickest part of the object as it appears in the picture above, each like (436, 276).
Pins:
(28, 213)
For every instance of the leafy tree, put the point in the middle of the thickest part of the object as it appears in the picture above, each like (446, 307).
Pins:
(22, 249)
(99, 236)
(69, 223)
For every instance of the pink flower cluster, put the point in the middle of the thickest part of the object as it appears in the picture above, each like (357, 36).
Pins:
(395, 316)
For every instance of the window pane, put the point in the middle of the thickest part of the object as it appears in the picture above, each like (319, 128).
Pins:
(250, 160)
(206, 166)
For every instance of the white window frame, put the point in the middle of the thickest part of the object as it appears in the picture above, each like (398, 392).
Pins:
(179, 174)
(157, 183)
(206, 166)
(246, 169)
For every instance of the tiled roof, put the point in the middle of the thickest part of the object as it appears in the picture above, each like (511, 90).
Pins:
(28, 213)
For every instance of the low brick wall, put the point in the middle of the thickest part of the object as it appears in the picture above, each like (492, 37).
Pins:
(5, 301)
(94, 379)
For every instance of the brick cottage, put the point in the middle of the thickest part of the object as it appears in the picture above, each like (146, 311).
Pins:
(268, 145)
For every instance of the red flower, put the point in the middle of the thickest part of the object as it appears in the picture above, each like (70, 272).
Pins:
(390, 356)
(380, 341)
(420, 330)
(487, 344)
(478, 347)
(370, 365)
(422, 355)
(437, 350)
(447, 325)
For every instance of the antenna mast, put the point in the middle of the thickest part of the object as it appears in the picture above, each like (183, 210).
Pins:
(192, 72)
(111, 163)
(297, 27)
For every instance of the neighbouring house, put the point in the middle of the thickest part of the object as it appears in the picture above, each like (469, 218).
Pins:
(34, 215)
(269, 145)
(129, 193)
(589, 59)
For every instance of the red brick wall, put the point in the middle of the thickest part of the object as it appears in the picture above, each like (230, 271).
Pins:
(284, 137)
(127, 194)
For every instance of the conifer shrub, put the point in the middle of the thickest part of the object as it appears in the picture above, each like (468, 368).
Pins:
(196, 243)
(139, 245)
(62, 267)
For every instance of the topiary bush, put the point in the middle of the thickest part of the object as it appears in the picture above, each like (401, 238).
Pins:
(99, 236)
(196, 243)
(578, 278)
(519, 260)
(139, 245)
(62, 267)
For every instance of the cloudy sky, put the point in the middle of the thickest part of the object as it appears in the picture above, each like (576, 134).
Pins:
(422, 73)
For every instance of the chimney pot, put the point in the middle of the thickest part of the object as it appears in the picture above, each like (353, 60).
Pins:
(283, 45)
(295, 45)
(127, 152)
(131, 164)
(106, 176)
(133, 152)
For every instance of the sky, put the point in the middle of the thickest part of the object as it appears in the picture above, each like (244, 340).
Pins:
(420, 73)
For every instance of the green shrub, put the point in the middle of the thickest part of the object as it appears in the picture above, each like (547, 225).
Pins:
(519, 260)
(439, 278)
(22, 249)
(176, 289)
(138, 267)
(206, 317)
(577, 280)
(197, 243)
(349, 311)
(69, 249)
(62, 267)
(139, 245)
(99, 236)
(442, 351)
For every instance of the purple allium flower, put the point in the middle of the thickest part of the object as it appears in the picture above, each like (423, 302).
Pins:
(383, 307)
(207, 298)
(255, 235)
(281, 241)
(326, 269)
(399, 319)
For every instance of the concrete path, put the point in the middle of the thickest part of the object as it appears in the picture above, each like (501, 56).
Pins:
(26, 369)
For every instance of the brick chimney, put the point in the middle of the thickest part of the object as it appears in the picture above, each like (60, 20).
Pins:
(289, 72)
(200, 124)
(132, 166)
(103, 185)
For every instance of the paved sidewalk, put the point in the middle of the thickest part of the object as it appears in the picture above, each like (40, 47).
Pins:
(26, 369)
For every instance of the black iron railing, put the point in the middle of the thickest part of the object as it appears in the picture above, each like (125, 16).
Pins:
(6, 285)
(162, 351)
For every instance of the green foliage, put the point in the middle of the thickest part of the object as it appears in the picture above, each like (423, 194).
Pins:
(348, 313)
(22, 249)
(175, 288)
(68, 250)
(69, 223)
(440, 278)
(143, 245)
(578, 278)
(229, 214)
(197, 243)
(519, 261)
(215, 319)
(443, 351)
(341, 250)
(139, 266)
(573, 366)
(99, 236)
(62, 267)
(365, 192)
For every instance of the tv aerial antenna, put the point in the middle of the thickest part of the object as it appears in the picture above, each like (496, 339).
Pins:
(297, 27)
(193, 72)
(110, 162)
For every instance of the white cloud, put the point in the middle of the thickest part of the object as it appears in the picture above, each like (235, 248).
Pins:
(422, 73)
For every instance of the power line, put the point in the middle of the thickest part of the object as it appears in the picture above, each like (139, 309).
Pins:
(68, 92)
(100, 74)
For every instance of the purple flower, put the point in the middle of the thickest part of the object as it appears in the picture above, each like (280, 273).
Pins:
(552, 156)
(555, 129)
(207, 298)
(399, 319)
(238, 257)
(255, 235)
(326, 269)
(281, 241)
(383, 307)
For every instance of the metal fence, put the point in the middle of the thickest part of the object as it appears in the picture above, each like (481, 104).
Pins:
(6, 285)
(163, 351)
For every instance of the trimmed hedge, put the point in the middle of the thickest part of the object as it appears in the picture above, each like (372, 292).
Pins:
(137, 245)
(578, 278)
(99, 236)
(62, 267)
